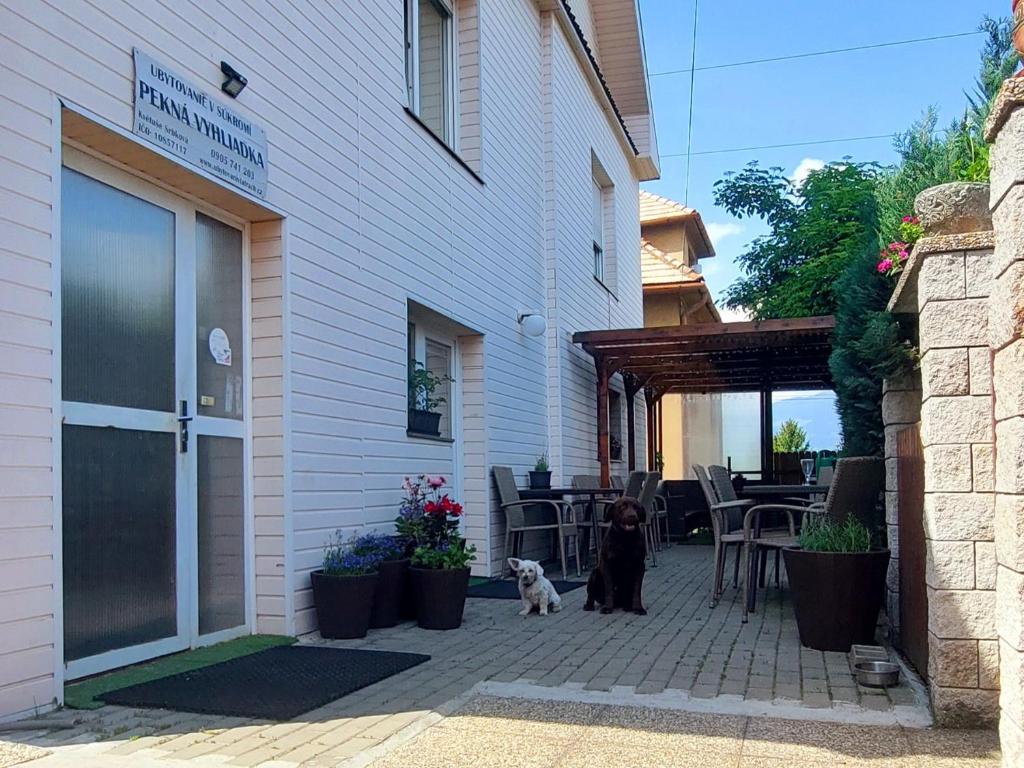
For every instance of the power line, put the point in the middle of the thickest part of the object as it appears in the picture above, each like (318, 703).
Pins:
(689, 130)
(811, 54)
(690, 154)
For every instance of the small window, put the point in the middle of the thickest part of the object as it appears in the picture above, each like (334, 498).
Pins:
(615, 424)
(429, 31)
(430, 385)
(599, 193)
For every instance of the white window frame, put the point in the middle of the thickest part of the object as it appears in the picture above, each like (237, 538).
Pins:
(417, 353)
(598, 225)
(412, 68)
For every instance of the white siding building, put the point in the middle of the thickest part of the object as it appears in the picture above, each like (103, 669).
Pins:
(434, 170)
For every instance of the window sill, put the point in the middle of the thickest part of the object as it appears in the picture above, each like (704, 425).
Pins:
(444, 145)
(602, 283)
(427, 436)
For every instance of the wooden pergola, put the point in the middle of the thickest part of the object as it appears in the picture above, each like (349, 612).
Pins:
(709, 358)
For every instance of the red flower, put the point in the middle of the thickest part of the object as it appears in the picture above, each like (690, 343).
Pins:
(431, 508)
(456, 509)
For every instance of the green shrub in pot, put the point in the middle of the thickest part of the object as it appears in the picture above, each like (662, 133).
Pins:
(838, 582)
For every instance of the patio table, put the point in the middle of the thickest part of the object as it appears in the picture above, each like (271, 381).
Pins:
(782, 490)
(559, 493)
(768, 494)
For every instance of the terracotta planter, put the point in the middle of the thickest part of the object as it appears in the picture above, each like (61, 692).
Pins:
(439, 596)
(343, 604)
(836, 596)
(392, 591)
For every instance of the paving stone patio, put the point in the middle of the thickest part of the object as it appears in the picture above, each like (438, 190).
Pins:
(682, 655)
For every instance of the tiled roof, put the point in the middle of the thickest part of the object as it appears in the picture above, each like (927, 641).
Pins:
(658, 268)
(656, 208)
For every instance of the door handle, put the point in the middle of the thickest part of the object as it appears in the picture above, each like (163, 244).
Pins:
(183, 420)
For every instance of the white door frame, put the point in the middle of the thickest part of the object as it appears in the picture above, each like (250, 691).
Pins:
(187, 574)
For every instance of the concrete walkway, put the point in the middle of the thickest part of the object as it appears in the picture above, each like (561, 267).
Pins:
(682, 656)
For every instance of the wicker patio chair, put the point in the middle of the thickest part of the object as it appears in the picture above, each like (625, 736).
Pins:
(723, 515)
(648, 524)
(564, 525)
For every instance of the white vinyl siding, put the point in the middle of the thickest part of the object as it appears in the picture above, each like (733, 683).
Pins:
(377, 214)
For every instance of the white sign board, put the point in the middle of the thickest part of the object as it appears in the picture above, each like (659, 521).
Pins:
(187, 121)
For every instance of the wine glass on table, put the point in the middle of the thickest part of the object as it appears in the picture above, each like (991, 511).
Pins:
(808, 467)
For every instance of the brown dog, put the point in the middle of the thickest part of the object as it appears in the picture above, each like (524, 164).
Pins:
(618, 580)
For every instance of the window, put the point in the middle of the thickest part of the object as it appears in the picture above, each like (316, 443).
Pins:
(598, 230)
(615, 424)
(429, 32)
(603, 218)
(430, 385)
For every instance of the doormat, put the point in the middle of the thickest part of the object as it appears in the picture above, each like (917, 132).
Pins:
(275, 684)
(509, 590)
(85, 694)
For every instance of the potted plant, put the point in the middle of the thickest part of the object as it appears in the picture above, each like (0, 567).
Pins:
(393, 576)
(540, 475)
(838, 583)
(424, 418)
(344, 588)
(439, 571)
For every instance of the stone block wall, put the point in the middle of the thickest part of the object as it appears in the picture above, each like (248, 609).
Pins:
(947, 284)
(1006, 341)
(957, 437)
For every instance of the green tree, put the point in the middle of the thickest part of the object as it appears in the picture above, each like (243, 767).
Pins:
(791, 438)
(815, 230)
(821, 251)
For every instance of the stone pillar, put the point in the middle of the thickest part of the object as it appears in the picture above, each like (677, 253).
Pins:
(1006, 326)
(953, 283)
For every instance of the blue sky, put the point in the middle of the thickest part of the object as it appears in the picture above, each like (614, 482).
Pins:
(852, 94)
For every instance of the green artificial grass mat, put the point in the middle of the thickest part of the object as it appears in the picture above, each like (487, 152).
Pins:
(474, 580)
(82, 695)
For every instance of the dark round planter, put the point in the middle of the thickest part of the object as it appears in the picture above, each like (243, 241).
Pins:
(425, 422)
(392, 589)
(439, 596)
(343, 604)
(540, 481)
(836, 596)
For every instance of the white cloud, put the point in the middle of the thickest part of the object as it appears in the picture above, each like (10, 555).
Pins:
(804, 169)
(719, 231)
(813, 394)
(733, 315)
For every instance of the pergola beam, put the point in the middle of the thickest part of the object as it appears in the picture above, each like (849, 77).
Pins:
(708, 358)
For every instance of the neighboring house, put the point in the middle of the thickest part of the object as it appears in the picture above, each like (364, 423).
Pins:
(210, 305)
(673, 240)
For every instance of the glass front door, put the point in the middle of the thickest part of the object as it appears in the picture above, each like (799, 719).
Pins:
(153, 390)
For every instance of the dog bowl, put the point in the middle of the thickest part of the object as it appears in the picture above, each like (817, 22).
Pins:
(877, 674)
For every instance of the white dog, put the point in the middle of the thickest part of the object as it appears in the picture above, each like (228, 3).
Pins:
(535, 590)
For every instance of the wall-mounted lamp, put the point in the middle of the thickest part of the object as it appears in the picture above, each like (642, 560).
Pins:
(532, 323)
(234, 83)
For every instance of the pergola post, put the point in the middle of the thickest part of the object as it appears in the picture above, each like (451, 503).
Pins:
(767, 436)
(632, 386)
(603, 445)
(653, 397)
